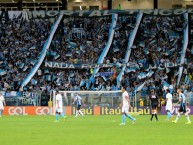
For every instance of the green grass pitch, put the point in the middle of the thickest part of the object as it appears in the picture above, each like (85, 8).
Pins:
(93, 130)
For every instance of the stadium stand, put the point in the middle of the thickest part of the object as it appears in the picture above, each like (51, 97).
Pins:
(21, 43)
(81, 40)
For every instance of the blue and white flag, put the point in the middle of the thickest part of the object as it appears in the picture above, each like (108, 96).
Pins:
(187, 80)
(165, 84)
(140, 87)
(21, 65)
(69, 54)
(149, 74)
(142, 44)
(25, 68)
(48, 77)
(141, 75)
(3, 72)
(72, 44)
(56, 56)
(32, 48)
(104, 78)
(33, 62)
(116, 49)
(82, 83)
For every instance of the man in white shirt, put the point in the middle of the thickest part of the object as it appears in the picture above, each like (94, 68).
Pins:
(2, 104)
(125, 106)
(59, 107)
(168, 104)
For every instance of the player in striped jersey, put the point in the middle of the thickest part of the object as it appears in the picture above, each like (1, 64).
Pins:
(78, 102)
(182, 101)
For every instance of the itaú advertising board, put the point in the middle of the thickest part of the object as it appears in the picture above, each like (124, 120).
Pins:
(69, 110)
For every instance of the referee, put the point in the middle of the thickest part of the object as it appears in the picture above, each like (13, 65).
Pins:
(154, 104)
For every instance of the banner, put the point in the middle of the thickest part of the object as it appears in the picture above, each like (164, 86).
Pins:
(27, 110)
(61, 65)
(27, 15)
(117, 110)
(176, 108)
(21, 98)
(88, 110)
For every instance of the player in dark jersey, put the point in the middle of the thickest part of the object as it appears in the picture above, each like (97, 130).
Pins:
(182, 101)
(154, 104)
(78, 102)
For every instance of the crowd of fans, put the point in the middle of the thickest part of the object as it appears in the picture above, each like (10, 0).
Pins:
(158, 41)
(78, 41)
(21, 43)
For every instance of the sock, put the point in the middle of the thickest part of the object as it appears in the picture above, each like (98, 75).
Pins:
(152, 116)
(76, 113)
(129, 116)
(169, 115)
(123, 118)
(0, 112)
(57, 116)
(62, 115)
(81, 113)
(156, 116)
(187, 117)
(177, 117)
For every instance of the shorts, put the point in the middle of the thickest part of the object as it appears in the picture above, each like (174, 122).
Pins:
(59, 110)
(1, 107)
(182, 108)
(169, 108)
(125, 109)
(78, 107)
(154, 106)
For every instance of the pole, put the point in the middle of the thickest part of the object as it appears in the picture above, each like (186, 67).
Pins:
(135, 99)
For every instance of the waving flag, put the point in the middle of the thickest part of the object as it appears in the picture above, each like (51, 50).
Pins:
(3, 72)
(140, 87)
(187, 80)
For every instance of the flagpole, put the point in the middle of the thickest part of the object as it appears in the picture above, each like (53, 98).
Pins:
(135, 99)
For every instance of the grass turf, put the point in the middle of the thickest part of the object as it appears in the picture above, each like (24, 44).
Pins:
(93, 130)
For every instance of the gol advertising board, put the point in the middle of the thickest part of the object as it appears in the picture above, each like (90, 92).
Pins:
(27, 110)
(69, 110)
(176, 108)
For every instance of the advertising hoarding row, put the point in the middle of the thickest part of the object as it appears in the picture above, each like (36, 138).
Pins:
(96, 110)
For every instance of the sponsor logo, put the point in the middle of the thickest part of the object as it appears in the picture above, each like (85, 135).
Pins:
(117, 110)
(43, 111)
(17, 111)
(85, 111)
